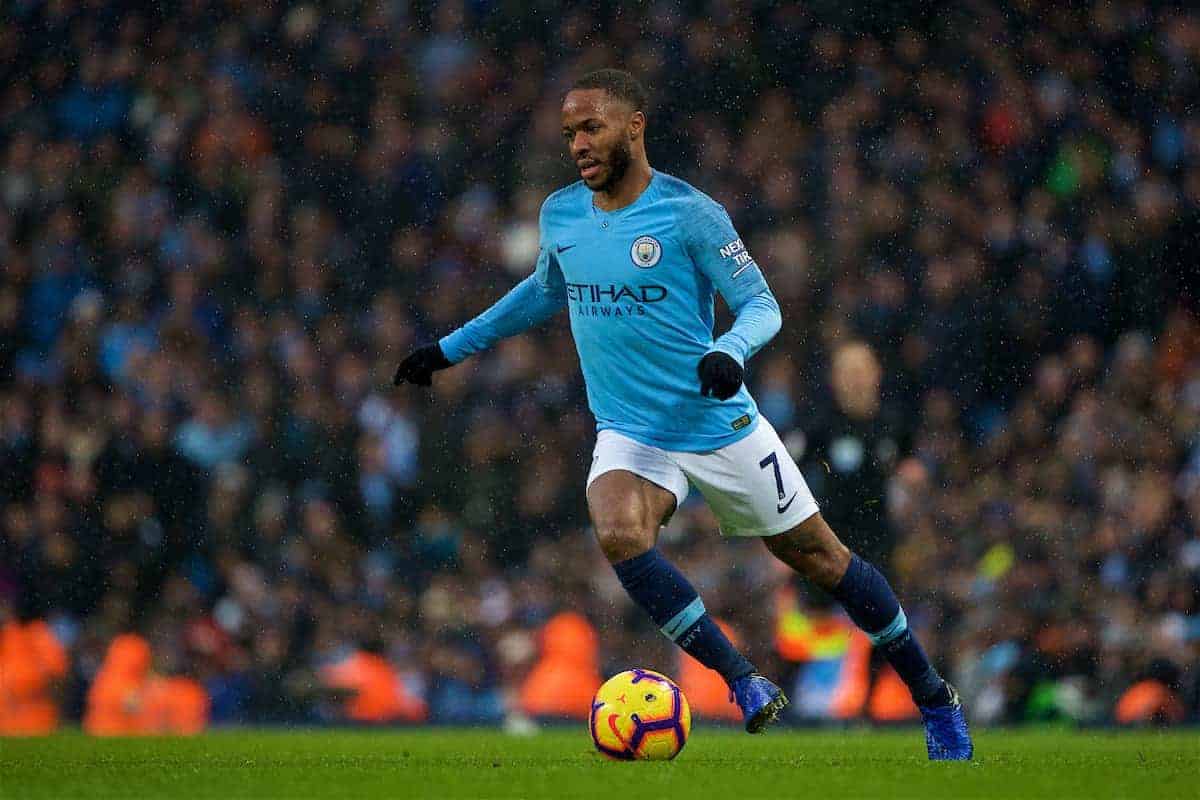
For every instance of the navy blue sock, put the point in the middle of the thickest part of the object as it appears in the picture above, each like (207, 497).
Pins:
(871, 603)
(665, 594)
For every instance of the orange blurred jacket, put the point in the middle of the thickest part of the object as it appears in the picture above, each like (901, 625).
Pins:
(1148, 701)
(115, 699)
(891, 700)
(31, 660)
(705, 689)
(565, 678)
(380, 695)
(127, 699)
(175, 705)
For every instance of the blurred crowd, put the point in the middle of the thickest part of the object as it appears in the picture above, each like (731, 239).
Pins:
(223, 224)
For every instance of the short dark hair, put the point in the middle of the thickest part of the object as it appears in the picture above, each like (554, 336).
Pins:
(618, 83)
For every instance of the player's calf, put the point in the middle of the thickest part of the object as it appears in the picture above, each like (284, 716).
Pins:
(815, 551)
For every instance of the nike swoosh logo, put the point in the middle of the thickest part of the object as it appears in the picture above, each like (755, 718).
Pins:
(562, 248)
(784, 507)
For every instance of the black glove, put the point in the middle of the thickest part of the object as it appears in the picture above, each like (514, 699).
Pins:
(420, 365)
(720, 375)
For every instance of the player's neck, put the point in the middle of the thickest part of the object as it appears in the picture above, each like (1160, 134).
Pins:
(628, 189)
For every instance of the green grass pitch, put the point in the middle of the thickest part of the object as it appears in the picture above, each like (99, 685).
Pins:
(560, 763)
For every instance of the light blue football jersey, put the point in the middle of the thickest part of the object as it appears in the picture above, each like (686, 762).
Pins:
(639, 283)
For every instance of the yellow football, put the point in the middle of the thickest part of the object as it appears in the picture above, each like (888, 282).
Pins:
(640, 714)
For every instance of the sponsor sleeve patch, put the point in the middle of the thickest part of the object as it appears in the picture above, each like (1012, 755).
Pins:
(736, 250)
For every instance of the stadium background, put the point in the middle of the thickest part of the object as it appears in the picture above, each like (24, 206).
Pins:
(224, 223)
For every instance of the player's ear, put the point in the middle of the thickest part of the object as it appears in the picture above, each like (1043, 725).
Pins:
(637, 125)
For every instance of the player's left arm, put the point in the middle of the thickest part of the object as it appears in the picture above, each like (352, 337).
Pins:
(720, 254)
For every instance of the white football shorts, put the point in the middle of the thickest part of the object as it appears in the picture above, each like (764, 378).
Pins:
(752, 486)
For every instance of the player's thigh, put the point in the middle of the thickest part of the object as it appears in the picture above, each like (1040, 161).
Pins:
(620, 498)
(753, 486)
(632, 490)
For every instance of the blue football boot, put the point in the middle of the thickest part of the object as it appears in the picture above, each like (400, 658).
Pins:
(760, 701)
(946, 734)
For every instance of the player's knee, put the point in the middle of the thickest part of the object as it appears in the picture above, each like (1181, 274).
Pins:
(812, 550)
(622, 537)
(625, 522)
(816, 562)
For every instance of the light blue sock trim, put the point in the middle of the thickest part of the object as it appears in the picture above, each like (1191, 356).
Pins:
(899, 625)
(684, 619)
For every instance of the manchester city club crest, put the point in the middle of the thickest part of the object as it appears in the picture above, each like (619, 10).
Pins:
(646, 251)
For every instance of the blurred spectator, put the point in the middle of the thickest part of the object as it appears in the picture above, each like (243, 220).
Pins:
(375, 693)
(890, 700)
(565, 677)
(850, 451)
(174, 705)
(128, 697)
(33, 664)
(116, 699)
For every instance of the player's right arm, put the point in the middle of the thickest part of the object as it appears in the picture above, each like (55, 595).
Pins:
(528, 304)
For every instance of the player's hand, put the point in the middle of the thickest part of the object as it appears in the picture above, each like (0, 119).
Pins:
(720, 375)
(420, 365)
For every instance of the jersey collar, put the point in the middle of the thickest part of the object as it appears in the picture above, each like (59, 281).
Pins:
(648, 194)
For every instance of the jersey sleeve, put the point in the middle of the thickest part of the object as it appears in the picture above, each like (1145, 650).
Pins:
(718, 252)
(528, 304)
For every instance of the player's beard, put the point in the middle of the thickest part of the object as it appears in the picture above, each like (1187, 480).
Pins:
(618, 165)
